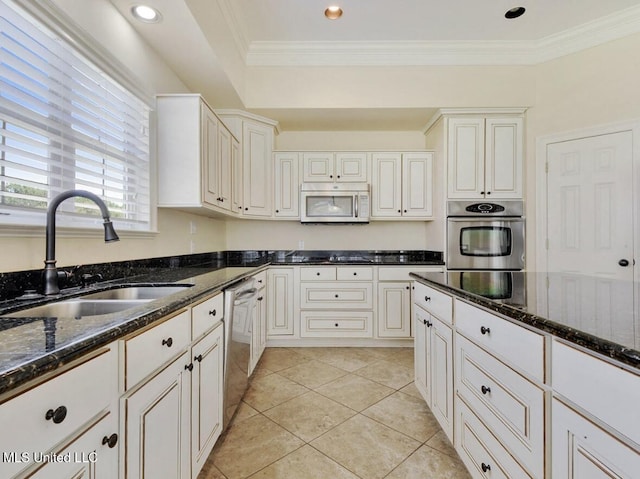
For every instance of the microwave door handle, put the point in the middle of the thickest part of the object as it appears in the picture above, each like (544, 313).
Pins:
(355, 205)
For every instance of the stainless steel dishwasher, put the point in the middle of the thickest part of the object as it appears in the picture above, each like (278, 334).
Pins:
(239, 301)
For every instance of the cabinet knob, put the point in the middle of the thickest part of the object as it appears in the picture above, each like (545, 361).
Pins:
(57, 416)
(110, 441)
(427, 298)
(336, 325)
(167, 342)
(407, 287)
(488, 192)
(330, 176)
(246, 208)
(484, 330)
(485, 467)
(336, 295)
(338, 176)
(355, 274)
(485, 389)
(405, 211)
(318, 273)
(198, 358)
(623, 262)
(260, 298)
(399, 211)
(429, 324)
(213, 312)
(189, 367)
(277, 211)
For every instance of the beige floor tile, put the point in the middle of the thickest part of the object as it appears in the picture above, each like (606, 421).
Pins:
(354, 391)
(310, 415)
(209, 471)
(304, 463)
(402, 355)
(276, 359)
(366, 447)
(441, 442)
(412, 390)
(253, 446)
(269, 391)
(349, 359)
(427, 463)
(243, 412)
(312, 373)
(406, 414)
(390, 374)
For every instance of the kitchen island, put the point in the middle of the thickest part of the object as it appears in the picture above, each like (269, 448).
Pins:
(526, 393)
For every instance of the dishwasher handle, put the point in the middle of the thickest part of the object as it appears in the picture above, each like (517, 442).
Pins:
(245, 296)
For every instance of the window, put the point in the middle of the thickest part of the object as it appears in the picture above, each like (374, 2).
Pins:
(66, 124)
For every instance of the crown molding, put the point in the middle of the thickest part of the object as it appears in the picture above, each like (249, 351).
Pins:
(232, 16)
(416, 53)
(448, 112)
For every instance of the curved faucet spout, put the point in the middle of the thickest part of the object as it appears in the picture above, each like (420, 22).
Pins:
(50, 271)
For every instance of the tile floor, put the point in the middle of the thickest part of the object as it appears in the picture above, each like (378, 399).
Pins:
(334, 413)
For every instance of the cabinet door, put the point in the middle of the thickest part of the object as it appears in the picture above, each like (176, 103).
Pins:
(581, 450)
(157, 425)
(280, 302)
(92, 455)
(287, 185)
(386, 185)
(441, 364)
(318, 166)
(394, 310)
(210, 158)
(236, 177)
(207, 386)
(351, 167)
(465, 157)
(224, 161)
(417, 185)
(503, 158)
(257, 150)
(421, 351)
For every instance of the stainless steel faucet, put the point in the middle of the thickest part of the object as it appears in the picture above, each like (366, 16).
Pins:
(51, 274)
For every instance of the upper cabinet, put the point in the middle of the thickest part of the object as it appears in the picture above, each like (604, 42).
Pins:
(327, 166)
(195, 155)
(286, 168)
(402, 185)
(484, 153)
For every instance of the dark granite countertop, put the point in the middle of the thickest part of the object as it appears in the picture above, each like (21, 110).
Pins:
(30, 347)
(619, 342)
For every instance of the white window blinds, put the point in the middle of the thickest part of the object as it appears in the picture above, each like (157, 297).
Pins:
(64, 124)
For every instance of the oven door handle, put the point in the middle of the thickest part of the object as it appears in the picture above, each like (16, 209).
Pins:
(485, 219)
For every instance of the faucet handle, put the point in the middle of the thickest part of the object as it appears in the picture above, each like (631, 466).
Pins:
(88, 278)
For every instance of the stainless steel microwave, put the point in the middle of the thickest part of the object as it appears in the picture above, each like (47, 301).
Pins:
(334, 203)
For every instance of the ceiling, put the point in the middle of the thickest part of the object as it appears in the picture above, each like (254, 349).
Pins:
(203, 41)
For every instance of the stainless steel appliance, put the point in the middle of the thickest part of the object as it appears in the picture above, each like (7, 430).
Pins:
(485, 235)
(239, 301)
(334, 203)
(507, 287)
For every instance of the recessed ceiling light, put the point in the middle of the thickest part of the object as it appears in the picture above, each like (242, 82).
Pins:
(333, 12)
(146, 14)
(515, 12)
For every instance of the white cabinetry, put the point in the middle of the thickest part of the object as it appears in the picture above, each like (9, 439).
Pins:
(195, 152)
(71, 412)
(287, 185)
(402, 185)
(485, 156)
(281, 290)
(433, 350)
(343, 167)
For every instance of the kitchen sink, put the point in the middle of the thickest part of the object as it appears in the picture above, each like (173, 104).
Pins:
(77, 308)
(137, 292)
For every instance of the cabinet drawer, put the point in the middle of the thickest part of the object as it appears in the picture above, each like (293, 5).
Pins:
(321, 273)
(607, 392)
(261, 279)
(82, 392)
(349, 324)
(480, 451)
(435, 302)
(511, 406)
(514, 344)
(336, 295)
(207, 314)
(354, 273)
(154, 347)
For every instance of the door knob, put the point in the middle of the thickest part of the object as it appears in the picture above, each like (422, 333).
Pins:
(623, 262)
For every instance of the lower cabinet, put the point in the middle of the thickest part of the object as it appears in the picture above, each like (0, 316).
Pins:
(433, 352)
(394, 309)
(258, 322)
(280, 302)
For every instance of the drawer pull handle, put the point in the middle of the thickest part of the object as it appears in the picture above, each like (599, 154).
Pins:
(110, 441)
(427, 298)
(213, 312)
(58, 415)
(485, 467)
(167, 342)
(189, 367)
(198, 358)
(485, 389)
(484, 330)
(260, 298)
